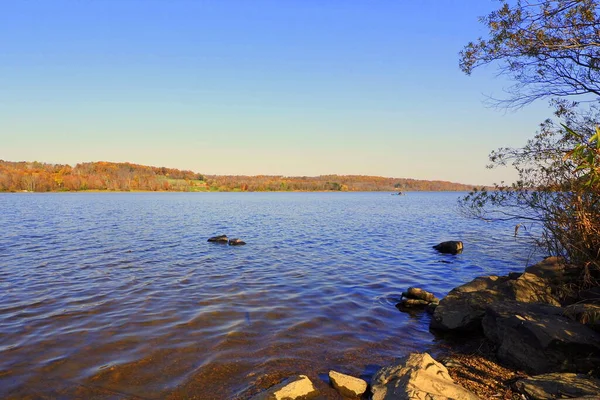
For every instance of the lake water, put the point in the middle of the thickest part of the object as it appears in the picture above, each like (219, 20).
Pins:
(119, 295)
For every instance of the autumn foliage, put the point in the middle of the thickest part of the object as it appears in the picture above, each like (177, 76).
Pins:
(43, 177)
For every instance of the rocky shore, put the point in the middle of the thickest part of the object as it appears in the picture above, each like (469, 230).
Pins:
(531, 335)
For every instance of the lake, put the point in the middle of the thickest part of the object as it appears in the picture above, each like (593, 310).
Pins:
(119, 295)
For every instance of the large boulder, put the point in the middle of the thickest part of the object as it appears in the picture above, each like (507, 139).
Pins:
(464, 307)
(298, 387)
(539, 338)
(417, 376)
(558, 386)
(347, 385)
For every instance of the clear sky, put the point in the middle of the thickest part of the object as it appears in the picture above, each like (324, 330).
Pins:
(281, 87)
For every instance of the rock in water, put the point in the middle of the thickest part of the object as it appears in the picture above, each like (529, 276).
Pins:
(298, 387)
(417, 376)
(450, 247)
(236, 242)
(415, 297)
(219, 239)
(347, 385)
(420, 294)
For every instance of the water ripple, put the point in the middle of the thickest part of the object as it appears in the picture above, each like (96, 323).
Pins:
(119, 295)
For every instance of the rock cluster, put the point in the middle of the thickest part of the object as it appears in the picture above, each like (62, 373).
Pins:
(532, 323)
(416, 376)
(223, 239)
(522, 315)
(416, 297)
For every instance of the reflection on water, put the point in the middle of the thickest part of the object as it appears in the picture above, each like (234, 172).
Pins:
(118, 295)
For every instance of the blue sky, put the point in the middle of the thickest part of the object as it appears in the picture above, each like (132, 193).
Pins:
(254, 87)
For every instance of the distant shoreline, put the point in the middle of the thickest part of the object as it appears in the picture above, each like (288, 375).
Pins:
(105, 176)
(232, 191)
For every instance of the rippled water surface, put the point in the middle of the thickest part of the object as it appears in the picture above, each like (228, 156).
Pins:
(119, 295)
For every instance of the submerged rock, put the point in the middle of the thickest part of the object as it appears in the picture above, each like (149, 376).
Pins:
(417, 376)
(219, 239)
(347, 385)
(236, 242)
(450, 247)
(298, 387)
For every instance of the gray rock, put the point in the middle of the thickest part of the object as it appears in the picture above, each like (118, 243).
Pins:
(347, 385)
(539, 339)
(219, 239)
(417, 376)
(558, 386)
(298, 387)
(450, 247)
(464, 307)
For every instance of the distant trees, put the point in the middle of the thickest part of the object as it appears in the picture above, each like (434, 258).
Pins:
(34, 176)
(40, 177)
(355, 183)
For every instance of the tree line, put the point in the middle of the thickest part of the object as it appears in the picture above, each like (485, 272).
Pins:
(108, 176)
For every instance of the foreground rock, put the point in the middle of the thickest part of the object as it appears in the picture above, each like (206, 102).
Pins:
(539, 339)
(464, 307)
(558, 386)
(418, 376)
(298, 387)
(450, 247)
(347, 385)
(219, 239)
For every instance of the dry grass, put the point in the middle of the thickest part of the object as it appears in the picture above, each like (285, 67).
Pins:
(475, 367)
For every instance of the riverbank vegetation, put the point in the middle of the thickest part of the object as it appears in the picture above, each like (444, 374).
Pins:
(550, 49)
(109, 176)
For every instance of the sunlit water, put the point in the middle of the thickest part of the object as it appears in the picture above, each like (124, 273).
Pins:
(119, 295)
